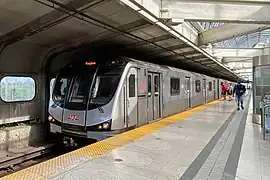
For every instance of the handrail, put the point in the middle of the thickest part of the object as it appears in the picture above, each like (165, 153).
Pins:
(263, 118)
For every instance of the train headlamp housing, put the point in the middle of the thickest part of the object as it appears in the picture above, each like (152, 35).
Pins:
(51, 119)
(105, 126)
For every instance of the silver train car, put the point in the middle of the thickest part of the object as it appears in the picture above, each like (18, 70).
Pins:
(97, 100)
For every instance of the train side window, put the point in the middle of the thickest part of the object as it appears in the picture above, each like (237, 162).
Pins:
(149, 84)
(17, 89)
(175, 86)
(198, 86)
(156, 82)
(131, 84)
(210, 86)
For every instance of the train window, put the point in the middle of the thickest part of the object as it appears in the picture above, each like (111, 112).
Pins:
(198, 86)
(210, 86)
(80, 90)
(156, 82)
(61, 87)
(105, 88)
(149, 84)
(14, 89)
(131, 84)
(175, 86)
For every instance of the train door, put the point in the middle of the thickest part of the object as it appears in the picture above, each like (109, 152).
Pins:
(214, 89)
(153, 96)
(132, 98)
(188, 91)
(204, 90)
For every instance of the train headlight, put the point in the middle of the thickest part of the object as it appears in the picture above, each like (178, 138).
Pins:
(106, 125)
(50, 118)
(99, 127)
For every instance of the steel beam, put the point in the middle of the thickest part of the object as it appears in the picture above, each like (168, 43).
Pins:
(229, 31)
(244, 2)
(216, 11)
(241, 68)
(235, 59)
(237, 52)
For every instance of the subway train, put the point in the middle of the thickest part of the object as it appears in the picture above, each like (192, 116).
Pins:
(97, 100)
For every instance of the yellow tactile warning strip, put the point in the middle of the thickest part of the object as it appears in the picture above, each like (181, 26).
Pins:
(46, 170)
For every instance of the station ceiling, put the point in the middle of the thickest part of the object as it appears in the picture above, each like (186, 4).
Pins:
(231, 24)
(32, 30)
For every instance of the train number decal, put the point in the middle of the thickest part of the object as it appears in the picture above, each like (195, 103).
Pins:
(73, 117)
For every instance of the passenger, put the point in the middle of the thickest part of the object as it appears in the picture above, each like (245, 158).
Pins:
(239, 90)
(223, 90)
(230, 91)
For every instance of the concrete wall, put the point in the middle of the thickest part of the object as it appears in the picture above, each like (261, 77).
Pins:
(22, 136)
(23, 59)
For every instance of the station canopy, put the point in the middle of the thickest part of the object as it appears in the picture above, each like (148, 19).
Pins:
(229, 25)
(32, 30)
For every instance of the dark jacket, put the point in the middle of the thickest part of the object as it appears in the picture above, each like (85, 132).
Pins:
(239, 89)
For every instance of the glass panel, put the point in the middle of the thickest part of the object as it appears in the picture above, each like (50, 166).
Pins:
(210, 86)
(14, 89)
(156, 83)
(80, 90)
(105, 87)
(175, 86)
(198, 86)
(262, 75)
(61, 87)
(131, 84)
(149, 84)
(188, 84)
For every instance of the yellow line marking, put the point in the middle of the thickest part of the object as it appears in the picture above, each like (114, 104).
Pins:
(50, 168)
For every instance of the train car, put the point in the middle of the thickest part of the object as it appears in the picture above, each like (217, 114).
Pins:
(96, 100)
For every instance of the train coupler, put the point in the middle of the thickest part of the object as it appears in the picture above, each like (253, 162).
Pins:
(69, 142)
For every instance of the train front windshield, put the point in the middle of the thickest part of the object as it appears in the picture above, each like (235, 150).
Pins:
(74, 86)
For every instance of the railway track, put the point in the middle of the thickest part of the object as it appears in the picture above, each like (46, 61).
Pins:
(21, 161)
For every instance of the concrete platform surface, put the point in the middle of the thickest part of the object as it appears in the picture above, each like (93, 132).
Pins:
(198, 144)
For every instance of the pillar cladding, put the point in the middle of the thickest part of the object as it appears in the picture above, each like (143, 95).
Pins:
(261, 82)
(22, 136)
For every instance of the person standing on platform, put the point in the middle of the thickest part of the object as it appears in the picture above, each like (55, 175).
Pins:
(230, 91)
(223, 90)
(239, 90)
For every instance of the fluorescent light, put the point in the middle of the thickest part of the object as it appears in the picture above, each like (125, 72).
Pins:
(130, 4)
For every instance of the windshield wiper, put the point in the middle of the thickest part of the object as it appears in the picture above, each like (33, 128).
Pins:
(98, 106)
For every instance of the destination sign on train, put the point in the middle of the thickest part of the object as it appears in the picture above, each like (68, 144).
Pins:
(91, 63)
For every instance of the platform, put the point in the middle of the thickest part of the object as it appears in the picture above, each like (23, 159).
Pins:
(201, 143)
